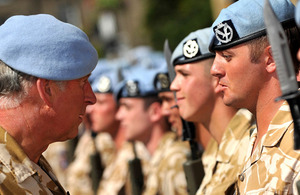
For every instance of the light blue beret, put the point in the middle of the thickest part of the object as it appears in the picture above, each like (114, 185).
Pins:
(193, 48)
(243, 21)
(144, 56)
(138, 82)
(106, 76)
(44, 47)
(297, 14)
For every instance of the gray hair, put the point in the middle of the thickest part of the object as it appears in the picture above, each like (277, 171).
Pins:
(14, 86)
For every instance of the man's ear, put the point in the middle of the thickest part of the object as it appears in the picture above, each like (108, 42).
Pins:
(270, 62)
(155, 111)
(44, 89)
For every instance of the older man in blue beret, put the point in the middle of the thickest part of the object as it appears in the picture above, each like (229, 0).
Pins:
(44, 68)
(247, 78)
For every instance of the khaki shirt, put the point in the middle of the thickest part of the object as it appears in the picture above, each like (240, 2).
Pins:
(79, 171)
(222, 163)
(166, 167)
(19, 175)
(115, 178)
(274, 163)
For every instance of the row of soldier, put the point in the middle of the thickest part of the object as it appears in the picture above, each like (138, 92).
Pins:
(226, 85)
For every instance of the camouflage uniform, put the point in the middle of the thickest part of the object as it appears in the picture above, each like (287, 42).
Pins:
(79, 179)
(57, 156)
(166, 175)
(274, 163)
(227, 159)
(19, 175)
(116, 176)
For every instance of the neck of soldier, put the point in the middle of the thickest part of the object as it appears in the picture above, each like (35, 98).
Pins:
(157, 132)
(266, 107)
(119, 138)
(219, 119)
(22, 126)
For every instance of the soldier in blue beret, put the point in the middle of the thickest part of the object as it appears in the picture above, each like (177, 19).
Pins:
(246, 71)
(142, 118)
(198, 102)
(44, 91)
(169, 108)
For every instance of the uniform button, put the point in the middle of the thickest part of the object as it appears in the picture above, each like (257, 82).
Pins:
(242, 177)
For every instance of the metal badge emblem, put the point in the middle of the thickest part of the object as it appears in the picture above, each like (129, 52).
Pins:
(104, 84)
(163, 81)
(224, 32)
(132, 88)
(190, 48)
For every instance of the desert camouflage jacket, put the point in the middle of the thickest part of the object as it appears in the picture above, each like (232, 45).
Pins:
(166, 167)
(19, 175)
(116, 178)
(274, 163)
(226, 160)
(79, 179)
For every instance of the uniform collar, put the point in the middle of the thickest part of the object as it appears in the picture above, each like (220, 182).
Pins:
(278, 126)
(237, 128)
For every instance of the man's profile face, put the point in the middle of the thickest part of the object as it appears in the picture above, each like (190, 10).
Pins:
(194, 89)
(238, 78)
(70, 105)
(170, 110)
(134, 119)
(102, 113)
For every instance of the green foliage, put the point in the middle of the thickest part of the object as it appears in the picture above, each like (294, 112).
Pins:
(107, 4)
(175, 19)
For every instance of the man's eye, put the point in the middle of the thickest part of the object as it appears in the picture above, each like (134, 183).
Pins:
(227, 57)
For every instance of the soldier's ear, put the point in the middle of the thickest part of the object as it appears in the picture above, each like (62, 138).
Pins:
(44, 89)
(155, 111)
(269, 60)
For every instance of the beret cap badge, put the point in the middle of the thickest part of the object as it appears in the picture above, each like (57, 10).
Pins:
(190, 48)
(162, 81)
(132, 88)
(225, 32)
(104, 84)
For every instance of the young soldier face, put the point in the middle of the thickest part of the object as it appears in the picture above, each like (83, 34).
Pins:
(171, 112)
(134, 119)
(194, 87)
(238, 78)
(102, 113)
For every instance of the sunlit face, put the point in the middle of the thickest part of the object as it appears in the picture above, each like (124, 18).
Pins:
(102, 113)
(70, 106)
(134, 119)
(171, 111)
(239, 78)
(194, 89)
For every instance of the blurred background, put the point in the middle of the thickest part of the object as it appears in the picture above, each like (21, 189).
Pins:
(114, 26)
